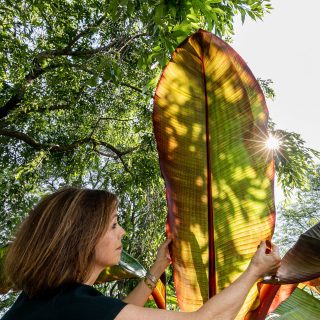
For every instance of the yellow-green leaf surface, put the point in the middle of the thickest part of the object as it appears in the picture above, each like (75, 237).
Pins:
(210, 124)
(299, 306)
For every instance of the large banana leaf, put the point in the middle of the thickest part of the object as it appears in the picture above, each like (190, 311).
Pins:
(300, 306)
(210, 124)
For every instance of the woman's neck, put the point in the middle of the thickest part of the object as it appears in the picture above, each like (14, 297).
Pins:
(93, 276)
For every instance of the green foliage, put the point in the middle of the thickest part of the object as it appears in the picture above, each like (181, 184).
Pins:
(301, 214)
(295, 162)
(268, 91)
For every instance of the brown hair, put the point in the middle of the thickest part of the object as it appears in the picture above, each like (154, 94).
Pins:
(56, 243)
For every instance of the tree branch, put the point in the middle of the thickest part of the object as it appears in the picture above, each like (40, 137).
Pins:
(67, 51)
(22, 137)
(115, 150)
(86, 31)
(131, 87)
(17, 97)
(116, 119)
(130, 40)
(65, 148)
(37, 70)
(110, 155)
(75, 53)
(83, 68)
(43, 15)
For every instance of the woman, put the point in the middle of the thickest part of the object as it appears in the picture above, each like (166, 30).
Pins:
(70, 237)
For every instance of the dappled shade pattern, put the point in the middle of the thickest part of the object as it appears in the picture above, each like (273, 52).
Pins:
(210, 123)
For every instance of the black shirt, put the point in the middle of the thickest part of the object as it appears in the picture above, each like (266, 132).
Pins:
(70, 302)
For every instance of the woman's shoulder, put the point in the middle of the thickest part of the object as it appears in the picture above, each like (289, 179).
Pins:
(85, 302)
(69, 301)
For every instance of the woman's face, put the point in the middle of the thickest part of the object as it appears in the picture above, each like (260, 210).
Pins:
(109, 247)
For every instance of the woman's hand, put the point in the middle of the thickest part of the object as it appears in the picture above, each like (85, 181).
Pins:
(266, 261)
(163, 259)
(139, 295)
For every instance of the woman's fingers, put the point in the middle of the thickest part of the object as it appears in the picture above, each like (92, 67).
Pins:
(164, 249)
(266, 260)
(166, 245)
(268, 246)
(163, 258)
(167, 242)
(275, 249)
(262, 245)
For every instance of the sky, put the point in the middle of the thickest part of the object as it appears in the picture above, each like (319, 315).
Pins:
(285, 47)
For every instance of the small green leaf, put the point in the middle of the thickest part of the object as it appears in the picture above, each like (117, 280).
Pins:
(219, 11)
(159, 13)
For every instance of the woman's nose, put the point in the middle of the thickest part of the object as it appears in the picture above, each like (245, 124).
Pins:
(122, 232)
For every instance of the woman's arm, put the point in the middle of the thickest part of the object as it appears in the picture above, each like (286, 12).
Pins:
(140, 294)
(223, 306)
